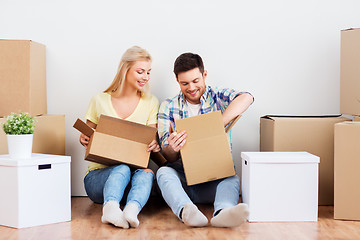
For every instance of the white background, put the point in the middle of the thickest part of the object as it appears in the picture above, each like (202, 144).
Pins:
(286, 53)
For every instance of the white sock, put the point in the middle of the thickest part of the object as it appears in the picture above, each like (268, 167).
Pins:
(231, 217)
(131, 212)
(113, 214)
(192, 216)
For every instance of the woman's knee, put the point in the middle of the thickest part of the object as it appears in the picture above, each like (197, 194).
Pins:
(123, 169)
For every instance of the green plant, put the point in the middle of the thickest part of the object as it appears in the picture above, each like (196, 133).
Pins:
(17, 124)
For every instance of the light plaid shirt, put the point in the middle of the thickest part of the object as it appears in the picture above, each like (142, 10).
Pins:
(175, 108)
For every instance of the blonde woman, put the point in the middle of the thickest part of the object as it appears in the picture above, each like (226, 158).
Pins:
(126, 98)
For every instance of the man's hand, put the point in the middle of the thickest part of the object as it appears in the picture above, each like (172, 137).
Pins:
(177, 140)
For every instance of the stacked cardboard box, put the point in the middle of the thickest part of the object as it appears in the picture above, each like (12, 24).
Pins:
(23, 88)
(347, 135)
(313, 134)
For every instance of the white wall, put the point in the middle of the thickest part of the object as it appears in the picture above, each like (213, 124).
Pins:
(286, 53)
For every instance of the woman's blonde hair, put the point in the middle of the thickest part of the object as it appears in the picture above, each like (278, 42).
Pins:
(128, 59)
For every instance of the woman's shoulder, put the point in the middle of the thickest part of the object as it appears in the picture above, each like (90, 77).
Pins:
(150, 98)
(101, 96)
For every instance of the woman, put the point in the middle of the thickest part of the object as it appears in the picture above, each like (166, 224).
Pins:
(126, 98)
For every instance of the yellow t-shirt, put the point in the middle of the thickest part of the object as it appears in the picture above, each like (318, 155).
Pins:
(144, 113)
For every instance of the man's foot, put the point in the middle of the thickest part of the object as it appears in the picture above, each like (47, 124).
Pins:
(231, 217)
(113, 214)
(192, 216)
(131, 212)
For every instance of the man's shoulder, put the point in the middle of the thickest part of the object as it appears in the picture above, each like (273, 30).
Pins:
(171, 101)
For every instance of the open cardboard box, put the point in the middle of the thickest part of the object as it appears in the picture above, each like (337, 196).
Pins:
(116, 141)
(206, 155)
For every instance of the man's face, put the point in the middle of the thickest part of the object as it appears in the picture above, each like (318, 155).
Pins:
(192, 84)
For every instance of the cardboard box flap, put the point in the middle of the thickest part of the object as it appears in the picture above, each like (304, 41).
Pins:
(83, 127)
(126, 129)
(196, 129)
(279, 117)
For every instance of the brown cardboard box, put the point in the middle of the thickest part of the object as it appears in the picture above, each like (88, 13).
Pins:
(22, 77)
(313, 134)
(49, 135)
(118, 141)
(206, 155)
(347, 169)
(350, 72)
(357, 118)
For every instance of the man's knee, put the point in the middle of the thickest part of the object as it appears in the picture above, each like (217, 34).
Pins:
(235, 180)
(165, 172)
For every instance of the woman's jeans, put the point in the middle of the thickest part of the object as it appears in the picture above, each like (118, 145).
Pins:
(224, 193)
(109, 184)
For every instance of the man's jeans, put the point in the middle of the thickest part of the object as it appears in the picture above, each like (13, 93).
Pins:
(224, 193)
(108, 184)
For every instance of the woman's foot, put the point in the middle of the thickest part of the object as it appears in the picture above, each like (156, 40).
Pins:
(113, 214)
(131, 212)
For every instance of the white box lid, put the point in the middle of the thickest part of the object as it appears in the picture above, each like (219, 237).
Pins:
(279, 157)
(36, 159)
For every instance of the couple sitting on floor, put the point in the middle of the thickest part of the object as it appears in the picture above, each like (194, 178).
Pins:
(128, 98)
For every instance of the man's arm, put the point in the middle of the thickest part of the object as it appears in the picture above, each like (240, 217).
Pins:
(171, 142)
(239, 105)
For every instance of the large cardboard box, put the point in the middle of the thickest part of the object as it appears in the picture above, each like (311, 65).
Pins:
(313, 134)
(49, 135)
(350, 72)
(22, 77)
(347, 169)
(280, 186)
(206, 155)
(118, 141)
(37, 190)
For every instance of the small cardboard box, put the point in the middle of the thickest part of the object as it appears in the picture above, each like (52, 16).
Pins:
(118, 141)
(347, 169)
(37, 190)
(49, 135)
(313, 134)
(280, 186)
(350, 72)
(357, 118)
(22, 77)
(206, 155)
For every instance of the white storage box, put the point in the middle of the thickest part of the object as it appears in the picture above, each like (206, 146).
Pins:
(34, 191)
(280, 186)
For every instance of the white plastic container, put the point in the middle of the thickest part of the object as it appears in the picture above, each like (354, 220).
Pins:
(280, 186)
(34, 191)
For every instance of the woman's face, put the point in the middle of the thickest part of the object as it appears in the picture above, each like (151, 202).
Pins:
(139, 74)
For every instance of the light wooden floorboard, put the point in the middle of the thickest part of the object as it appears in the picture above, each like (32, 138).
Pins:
(158, 222)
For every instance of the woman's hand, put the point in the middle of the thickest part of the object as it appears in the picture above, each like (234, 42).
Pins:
(84, 140)
(154, 146)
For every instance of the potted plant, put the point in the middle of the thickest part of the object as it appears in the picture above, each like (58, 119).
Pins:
(19, 129)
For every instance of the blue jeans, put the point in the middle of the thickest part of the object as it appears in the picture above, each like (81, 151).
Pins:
(224, 193)
(109, 184)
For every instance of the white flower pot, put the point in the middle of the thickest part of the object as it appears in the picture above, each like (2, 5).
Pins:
(20, 146)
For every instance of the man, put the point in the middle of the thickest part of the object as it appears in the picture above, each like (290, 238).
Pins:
(196, 98)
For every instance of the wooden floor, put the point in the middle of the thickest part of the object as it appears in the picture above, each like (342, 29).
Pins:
(158, 222)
